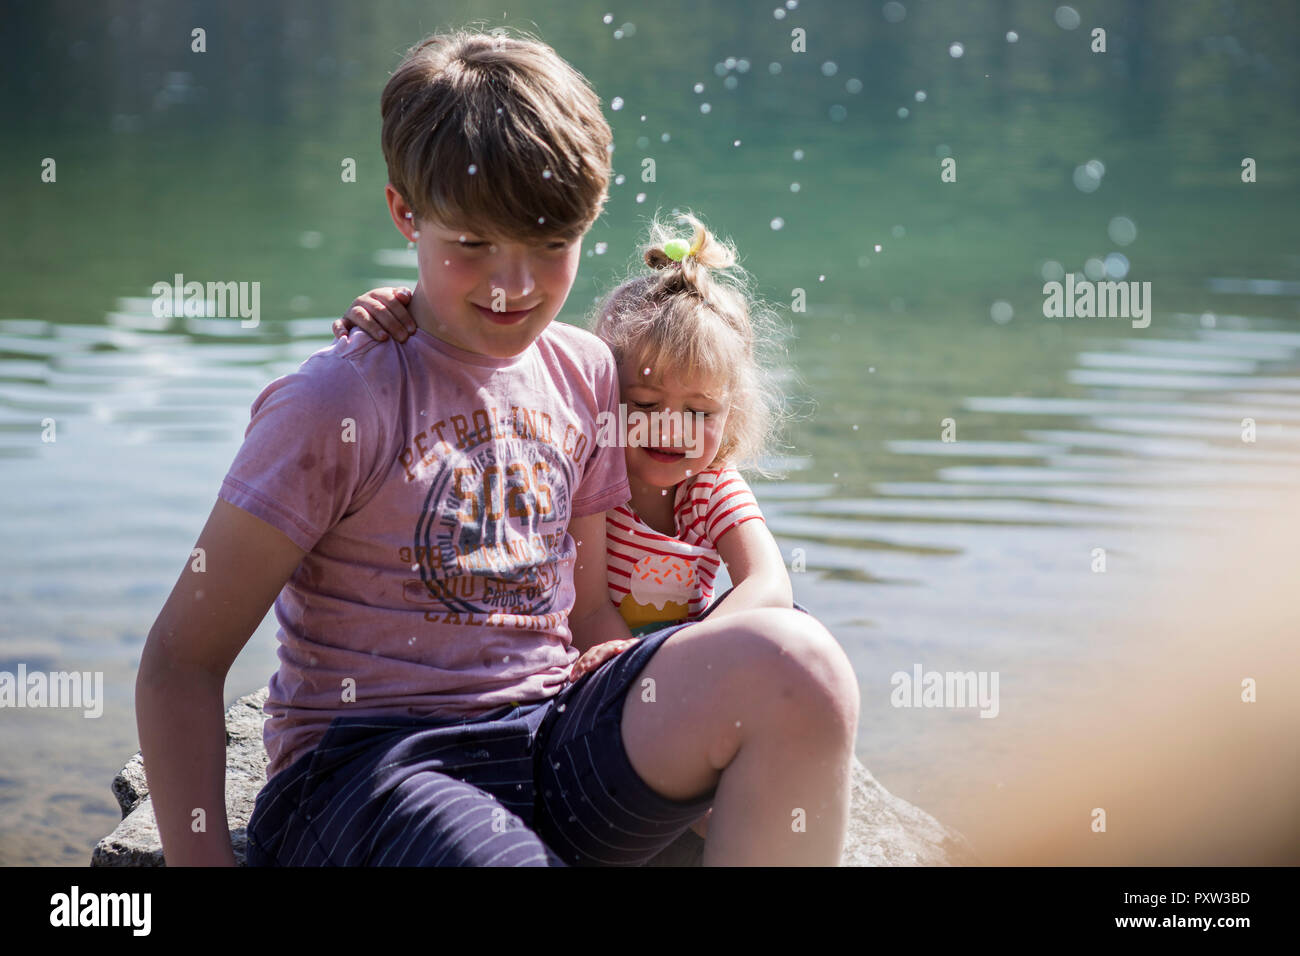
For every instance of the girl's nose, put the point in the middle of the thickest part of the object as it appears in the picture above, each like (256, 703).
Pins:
(672, 432)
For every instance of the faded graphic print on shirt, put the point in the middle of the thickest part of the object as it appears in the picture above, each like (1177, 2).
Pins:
(491, 535)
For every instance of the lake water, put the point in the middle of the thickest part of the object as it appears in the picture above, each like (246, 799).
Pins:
(924, 303)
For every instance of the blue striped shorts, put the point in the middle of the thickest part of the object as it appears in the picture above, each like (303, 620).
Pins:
(546, 783)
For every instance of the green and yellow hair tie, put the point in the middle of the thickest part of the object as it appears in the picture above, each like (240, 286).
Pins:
(677, 249)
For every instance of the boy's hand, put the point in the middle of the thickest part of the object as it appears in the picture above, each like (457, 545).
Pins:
(597, 656)
(379, 313)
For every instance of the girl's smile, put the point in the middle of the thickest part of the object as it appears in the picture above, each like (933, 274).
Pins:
(665, 454)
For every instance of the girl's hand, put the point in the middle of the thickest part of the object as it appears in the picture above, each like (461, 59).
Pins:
(597, 656)
(379, 313)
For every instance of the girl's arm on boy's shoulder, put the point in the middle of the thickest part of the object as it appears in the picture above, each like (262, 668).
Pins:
(208, 618)
(756, 568)
(379, 313)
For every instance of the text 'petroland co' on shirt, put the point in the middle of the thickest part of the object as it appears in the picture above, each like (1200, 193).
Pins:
(432, 489)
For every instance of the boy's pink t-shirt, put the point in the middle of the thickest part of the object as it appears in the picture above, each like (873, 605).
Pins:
(432, 489)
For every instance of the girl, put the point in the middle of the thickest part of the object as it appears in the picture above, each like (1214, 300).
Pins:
(689, 341)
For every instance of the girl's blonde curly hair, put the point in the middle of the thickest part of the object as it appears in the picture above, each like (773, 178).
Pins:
(698, 317)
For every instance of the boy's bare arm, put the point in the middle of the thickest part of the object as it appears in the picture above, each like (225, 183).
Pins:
(594, 619)
(179, 690)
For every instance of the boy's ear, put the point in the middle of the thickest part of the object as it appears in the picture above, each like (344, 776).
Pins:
(399, 210)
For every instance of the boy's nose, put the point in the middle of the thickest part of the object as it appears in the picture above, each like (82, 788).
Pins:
(515, 276)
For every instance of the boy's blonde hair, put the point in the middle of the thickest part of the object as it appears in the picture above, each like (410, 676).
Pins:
(526, 123)
(697, 317)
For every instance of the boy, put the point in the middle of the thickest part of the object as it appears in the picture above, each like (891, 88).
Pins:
(425, 514)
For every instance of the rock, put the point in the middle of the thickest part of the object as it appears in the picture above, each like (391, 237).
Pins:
(883, 830)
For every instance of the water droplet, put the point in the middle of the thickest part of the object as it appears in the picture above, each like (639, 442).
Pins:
(821, 278)
(620, 179)
(1117, 265)
(779, 13)
(956, 50)
(699, 87)
(735, 142)
(1086, 178)
(855, 427)
(472, 169)
(664, 138)
(774, 68)
(546, 174)
(777, 223)
(1001, 312)
(1012, 36)
(894, 12)
(1067, 18)
(903, 112)
(794, 187)
(877, 247)
(601, 247)
(607, 18)
(705, 108)
(616, 103)
(830, 68)
(640, 197)
(837, 113)
(1122, 230)
(854, 85)
(798, 154)
(920, 96)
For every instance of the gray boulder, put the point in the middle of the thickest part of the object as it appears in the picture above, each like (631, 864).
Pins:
(883, 830)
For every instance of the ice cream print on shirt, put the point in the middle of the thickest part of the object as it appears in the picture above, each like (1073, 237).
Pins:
(491, 536)
(662, 587)
(656, 579)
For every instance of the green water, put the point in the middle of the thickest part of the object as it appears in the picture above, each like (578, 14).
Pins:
(967, 555)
